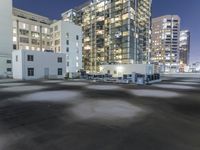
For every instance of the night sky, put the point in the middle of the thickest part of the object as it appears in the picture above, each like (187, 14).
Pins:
(188, 10)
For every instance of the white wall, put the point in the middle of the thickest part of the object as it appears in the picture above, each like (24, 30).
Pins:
(41, 61)
(4, 65)
(74, 56)
(5, 35)
(5, 27)
(127, 69)
(17, 65)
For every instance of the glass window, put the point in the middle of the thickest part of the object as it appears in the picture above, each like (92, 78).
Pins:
(60, 72)
(30, 58)
(9, 69)
(67, 49)
(59, 59)
(55, 28)
(30, 71)
(67, 42)
(9, 61)
(77, 37)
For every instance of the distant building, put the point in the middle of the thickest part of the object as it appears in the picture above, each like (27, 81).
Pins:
(33, 65)
(184, 47)
(165, 42)
(67, 39)
(195, 67)
(30, 31)
(5, 37)
(114, 32)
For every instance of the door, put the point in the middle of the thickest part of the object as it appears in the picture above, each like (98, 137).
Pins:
(46, 73)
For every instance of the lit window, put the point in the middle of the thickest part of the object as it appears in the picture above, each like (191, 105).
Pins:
(14, 39)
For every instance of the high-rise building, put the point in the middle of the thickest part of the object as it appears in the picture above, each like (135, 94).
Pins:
(30, 31)
(114, 32)
(5, 37)
(184, 47)
(165, 42)
(66, 37)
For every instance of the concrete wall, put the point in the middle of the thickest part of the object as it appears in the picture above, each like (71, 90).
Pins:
(5, 36)
(120, 70)
(4, 66)
(5, 27)
(17, 64)
(181, 75)
(74, 56)
(41, 61)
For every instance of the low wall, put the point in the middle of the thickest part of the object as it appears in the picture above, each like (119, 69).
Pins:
(181, 75)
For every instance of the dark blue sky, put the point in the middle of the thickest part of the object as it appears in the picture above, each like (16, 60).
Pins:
(188, 10)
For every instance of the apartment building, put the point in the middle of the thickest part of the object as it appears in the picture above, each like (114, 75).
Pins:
(5, 37)
(165, 42)
(114, 32)
(184, 47)
(30, 31)
(66, 37)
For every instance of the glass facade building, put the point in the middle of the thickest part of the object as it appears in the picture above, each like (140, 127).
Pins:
(184, 47)
(114, 31)
(165, 42)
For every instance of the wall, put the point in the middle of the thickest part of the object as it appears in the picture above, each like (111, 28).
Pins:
(68, 31)
(5, 27)
(5, 35)
(41, 61)
(4, 65)
(17, 65)
(120, 70)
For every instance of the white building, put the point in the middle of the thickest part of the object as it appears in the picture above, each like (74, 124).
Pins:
(5, 37)
(32, 65)
(23, 30)
(121, 69)
(67, 38)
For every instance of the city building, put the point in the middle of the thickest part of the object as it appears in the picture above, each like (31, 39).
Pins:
(114, 32)
(30, 31)
(66, 37)
(194, 67)
(5, 37)
(32, 65)
(165, 42)
(184, 44)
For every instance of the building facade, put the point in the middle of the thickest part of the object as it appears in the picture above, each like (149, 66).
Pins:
(184, 47)
(30, 31)
(114, 32)
(67, 38)
(165, 42)
(32, 65)
(5, 37)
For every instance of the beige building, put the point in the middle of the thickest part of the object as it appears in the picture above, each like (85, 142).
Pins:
(30, 31)
(165, 42)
